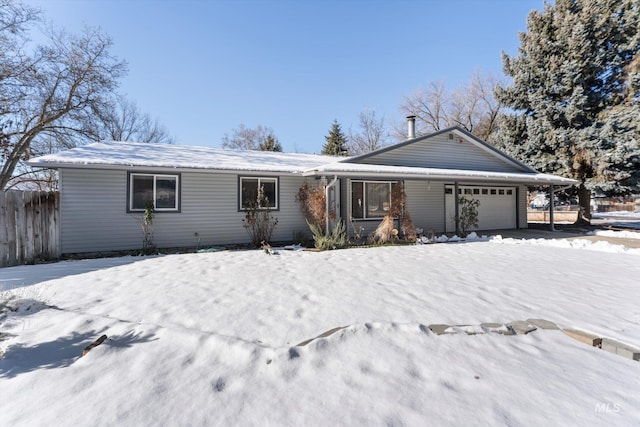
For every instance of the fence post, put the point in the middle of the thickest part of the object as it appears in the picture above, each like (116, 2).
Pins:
(29, 222)
(4, 232)
(53, 226)
(11, 228)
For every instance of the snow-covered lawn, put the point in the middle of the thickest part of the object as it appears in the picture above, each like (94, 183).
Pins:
(618, 219)
(211, 338)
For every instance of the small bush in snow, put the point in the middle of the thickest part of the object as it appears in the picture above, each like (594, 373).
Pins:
(386, 231)
(5, 302)
(258, 220)
(148, 246)
(357, 232)
(468, 214)
(337, 239)
(312, 202)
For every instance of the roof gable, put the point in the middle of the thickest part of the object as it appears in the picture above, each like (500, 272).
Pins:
(451, 148)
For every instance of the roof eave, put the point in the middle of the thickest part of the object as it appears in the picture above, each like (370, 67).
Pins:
(538, 179)
(133, 167)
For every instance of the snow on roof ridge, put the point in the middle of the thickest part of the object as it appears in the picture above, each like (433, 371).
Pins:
(119, 154)
(140, 154)
(202, 147)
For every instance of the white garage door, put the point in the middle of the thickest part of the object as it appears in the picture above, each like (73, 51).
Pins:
(497, 208)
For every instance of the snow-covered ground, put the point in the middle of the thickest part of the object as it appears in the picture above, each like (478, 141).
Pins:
(618, 219)
(211, 338)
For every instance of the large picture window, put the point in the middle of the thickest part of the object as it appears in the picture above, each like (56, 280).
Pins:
(370, 199)
(248, 192)
(160, 191)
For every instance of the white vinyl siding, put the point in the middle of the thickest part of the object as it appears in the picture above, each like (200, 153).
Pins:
(425, 202)
(93, 212)
(94, 215)
(443, 153)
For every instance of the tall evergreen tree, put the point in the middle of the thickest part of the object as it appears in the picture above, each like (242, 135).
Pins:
(575, 97)
(336, 141)
(270, 143)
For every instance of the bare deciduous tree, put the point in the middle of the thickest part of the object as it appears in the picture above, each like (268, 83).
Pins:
(429, 107)
(122, 120)
(47, 93)
(245, 138)
(371, 136)
(472, 106)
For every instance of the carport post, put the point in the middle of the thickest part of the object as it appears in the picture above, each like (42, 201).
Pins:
(551, 198)
(456, 201)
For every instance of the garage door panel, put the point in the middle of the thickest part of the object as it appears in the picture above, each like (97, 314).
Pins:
(497, 209)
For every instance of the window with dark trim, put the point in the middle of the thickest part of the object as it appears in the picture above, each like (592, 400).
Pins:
(370, 199)
(248, 192)
(158, 190)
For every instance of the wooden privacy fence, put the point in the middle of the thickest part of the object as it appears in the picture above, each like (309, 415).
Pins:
(29, 226)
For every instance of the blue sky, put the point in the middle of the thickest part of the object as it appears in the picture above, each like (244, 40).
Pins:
(202, 68)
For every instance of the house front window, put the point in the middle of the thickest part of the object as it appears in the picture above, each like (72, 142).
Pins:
(248, 192)
(159, 191)
(370, 199)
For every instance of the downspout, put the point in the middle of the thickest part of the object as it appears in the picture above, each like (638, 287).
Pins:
(456, 202)
(518, 208)
(326, 201)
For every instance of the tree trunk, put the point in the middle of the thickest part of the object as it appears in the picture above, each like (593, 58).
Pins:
(584, 199)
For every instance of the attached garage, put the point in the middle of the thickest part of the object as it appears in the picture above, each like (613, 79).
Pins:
(431, 168)
(96, 179)
(497, 209)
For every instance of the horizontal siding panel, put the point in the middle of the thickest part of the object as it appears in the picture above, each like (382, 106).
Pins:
(522, 206)
(94, 217)
(441, 152)
(93, 212)
(425, 201)
(290, 217)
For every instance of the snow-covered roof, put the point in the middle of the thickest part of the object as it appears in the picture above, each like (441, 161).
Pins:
(471, 138)
(142, 155)
(346, 169)
(136, 154)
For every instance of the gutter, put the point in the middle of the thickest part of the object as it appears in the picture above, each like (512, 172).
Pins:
(530, 180)
(162, 169)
